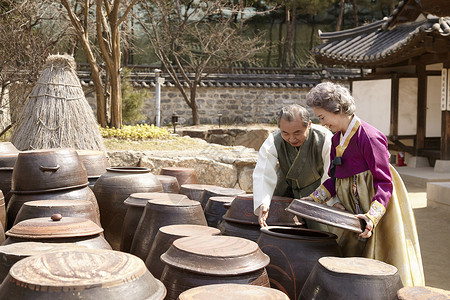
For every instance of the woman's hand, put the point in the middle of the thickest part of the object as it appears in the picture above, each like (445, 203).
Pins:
(263, 214)
(367, 233)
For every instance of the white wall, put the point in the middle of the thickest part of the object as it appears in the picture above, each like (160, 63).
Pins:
(373, 102)
(434, 115)
(407, 106)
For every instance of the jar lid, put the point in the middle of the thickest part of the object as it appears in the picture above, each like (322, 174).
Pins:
(55, 227)
(84, 268)
(357, 265)
(141, 199)
(167, 199)
(215, 255)
(183, 230)
(232, 291)
(34, 248)
(223, 191)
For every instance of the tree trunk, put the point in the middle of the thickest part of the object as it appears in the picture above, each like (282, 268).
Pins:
(116, 93)
(287, 39)
(193, 105)
(355, 12)
(291, 37)
(341, 15)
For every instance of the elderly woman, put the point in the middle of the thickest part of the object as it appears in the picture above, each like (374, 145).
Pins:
(365, 184)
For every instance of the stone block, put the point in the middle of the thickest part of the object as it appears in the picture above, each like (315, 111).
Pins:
(418, 162)
(437, 193)
(201, 134)
(124, 158)
(252, 138)
(221, 139)
(442, 166)
(245, 178)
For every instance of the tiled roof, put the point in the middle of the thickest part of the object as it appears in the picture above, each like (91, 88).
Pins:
(384, 42)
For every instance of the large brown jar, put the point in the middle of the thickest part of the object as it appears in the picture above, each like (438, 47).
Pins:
(240, 221)
(95, 163)
(58, 229)
(194, 191)
(169, 183)
(204, 260)
(217, 191)
(111, 190)
(81, 274)
(164, 239)
(293, 254)
(183, 175)
(215, 208)
(351, 278)
(169, 209)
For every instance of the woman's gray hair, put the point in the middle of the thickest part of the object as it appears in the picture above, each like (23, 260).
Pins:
(331, 97)
(292, 112)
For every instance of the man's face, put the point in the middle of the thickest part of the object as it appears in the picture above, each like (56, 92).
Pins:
(294, 132)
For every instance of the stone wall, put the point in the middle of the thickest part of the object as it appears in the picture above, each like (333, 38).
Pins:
(237, 105)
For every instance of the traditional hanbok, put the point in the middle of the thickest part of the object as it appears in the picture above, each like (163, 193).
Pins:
(366, 183)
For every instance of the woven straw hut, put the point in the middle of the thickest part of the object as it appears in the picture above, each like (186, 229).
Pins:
(57, 114)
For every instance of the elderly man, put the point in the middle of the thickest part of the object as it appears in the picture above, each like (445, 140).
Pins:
(292, 162)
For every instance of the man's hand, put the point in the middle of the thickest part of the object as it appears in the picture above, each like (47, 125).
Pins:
(263, 214)
(307, 198)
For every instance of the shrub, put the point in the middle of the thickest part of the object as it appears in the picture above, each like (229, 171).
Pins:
(137, 132)
(132, 100)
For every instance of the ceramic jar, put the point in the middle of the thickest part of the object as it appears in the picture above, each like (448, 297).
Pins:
(169, 183)
(169, 209)
(100, 274)
(111, 190)
(351, 278)
(293, 254)
(204, 260)
(215, 208)
(183, 175)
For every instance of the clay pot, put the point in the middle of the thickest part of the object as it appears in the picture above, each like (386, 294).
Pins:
(204, 260)
(194, 191)
(8, 160)
(169, 184)
(422, 293)
(135, 207)
(351, 278)
(232, 291)
(240, 221)
(164, 239)
(68, 208)
(170, 209)
(215, 209)
(47, 171)
(100, 274)
(95, 163)
(10, 254)
(217, 191)
(183, 175)
(58, 229)
(111, 190)
(8, 147)
(293, 254)
(5, 181)
(17, 200)
(2, 210)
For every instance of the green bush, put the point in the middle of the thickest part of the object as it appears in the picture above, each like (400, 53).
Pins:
(132, 100)
(138, 132)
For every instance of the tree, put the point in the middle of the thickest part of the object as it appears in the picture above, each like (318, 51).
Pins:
(193, 39)
(29, 32)
(108, 17)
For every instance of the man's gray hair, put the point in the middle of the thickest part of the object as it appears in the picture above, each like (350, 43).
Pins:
(331, 97)
(293, 112)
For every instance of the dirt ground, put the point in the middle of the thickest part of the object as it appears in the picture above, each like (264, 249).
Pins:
(433, 227)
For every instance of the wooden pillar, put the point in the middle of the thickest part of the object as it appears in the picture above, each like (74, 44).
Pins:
(393, 131)
(421, 108)
(445, 128)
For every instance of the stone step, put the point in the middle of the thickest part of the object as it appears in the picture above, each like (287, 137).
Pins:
(438, 194)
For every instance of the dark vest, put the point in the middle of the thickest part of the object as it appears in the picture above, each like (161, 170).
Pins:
(299, 172)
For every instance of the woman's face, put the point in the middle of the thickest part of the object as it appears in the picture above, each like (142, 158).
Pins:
(334, 122)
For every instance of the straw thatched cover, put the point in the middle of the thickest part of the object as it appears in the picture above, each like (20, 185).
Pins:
(56, 114)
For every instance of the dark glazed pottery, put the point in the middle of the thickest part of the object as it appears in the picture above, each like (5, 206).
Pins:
(10, 254)
(204, 260)
(68, 208)
(81, 274)
(169, 183)
(217, 191)
(327, 215)
(170, 209)
(47, 170)
(58, 229)
(228, 291)
(95, 163)
(8, 160)
(2, 210)
(293, 254)
(194, 191)
(5, 182)
(164, 239)
(351, 278)
(111, 190)
(215, 208)
(183, 175)
(17, 200)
